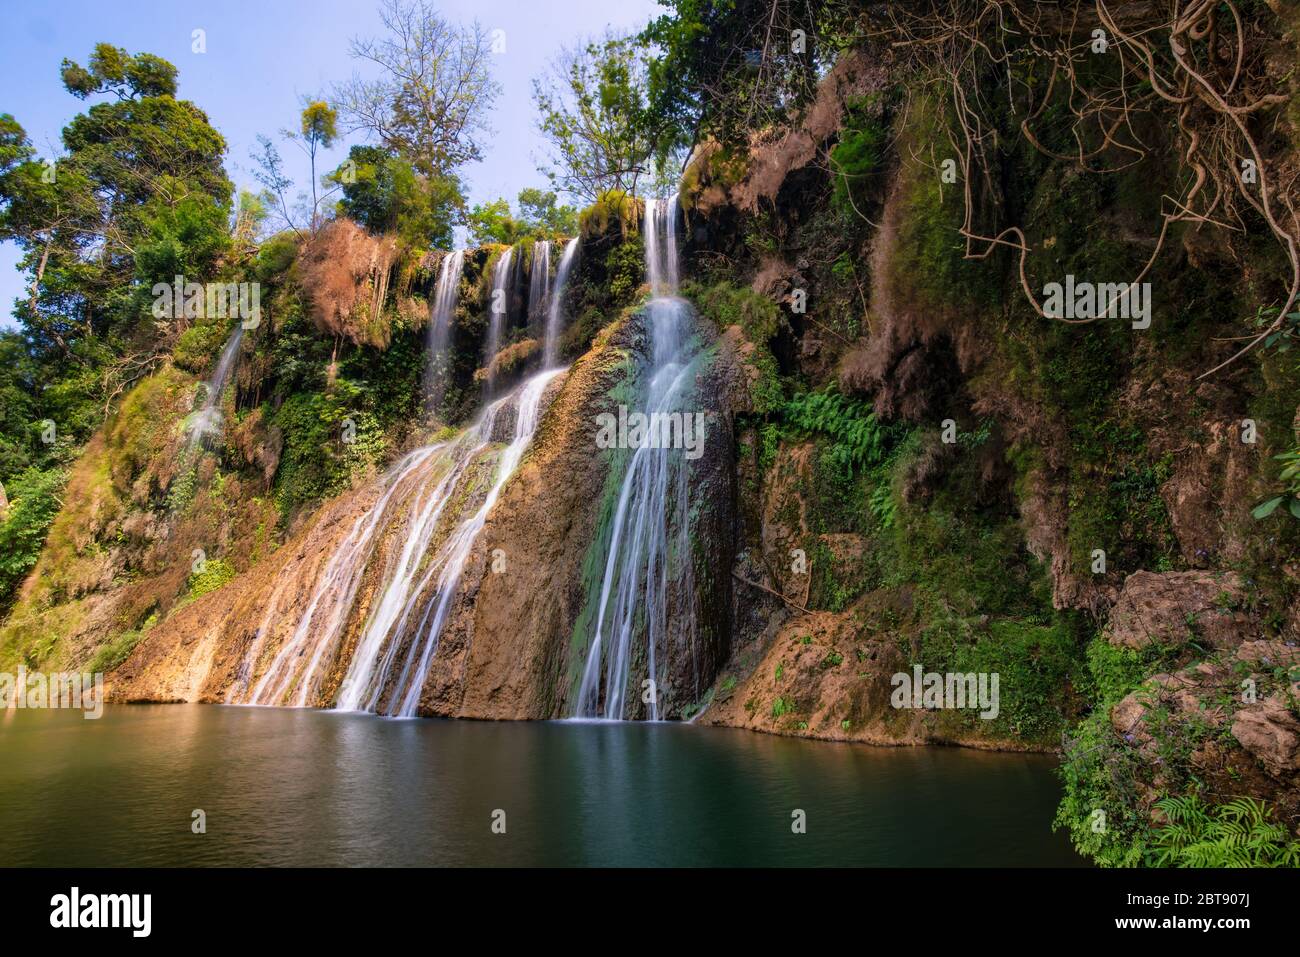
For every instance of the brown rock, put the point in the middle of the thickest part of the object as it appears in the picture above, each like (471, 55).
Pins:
(1172, 608)
(1271, 732)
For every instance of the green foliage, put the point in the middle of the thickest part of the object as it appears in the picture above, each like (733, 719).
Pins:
(547, 217)
(860, 439)
(1034, 663)
(1240, 833)
(592, 109)
(113, 70)
(275, 256)
(1290, 479)
(721, 73)
(20, 402)
(540, 217)
(858, 155)
(1115, 671)
(139, 195)
(317, 462)
(198, 344)
(383, 192)
(216, 572)
(1101, 806)
(113, 653)
(612, 207)
(761, 320)
(33, 502)
(624, 268)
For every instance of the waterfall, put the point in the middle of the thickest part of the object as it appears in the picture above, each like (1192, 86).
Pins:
(419, 573)
(441, 311)
(336, 588)
(446, 568)
(555, 315)
(206, 422)
(638, 584)
(498, 309)
(539, 282)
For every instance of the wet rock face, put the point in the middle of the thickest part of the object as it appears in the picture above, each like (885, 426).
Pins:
(517, 641)
(1172, 608)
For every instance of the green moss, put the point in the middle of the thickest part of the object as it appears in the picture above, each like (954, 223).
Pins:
(761, 320)
(216, 572)
(859, 154)
(613, 207)
(113, 653)
(329, 438)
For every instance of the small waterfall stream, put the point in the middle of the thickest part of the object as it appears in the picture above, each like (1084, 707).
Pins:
(555, 313)
(638, 582)
(539, 283)
(206, 423)
(498, 310)
(441, 312)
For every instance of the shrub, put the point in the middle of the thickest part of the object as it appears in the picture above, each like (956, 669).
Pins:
(33, 503)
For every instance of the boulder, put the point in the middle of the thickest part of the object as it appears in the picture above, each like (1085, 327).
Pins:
(1173, 608)
(1271, 732)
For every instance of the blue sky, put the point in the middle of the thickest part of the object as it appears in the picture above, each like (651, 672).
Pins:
(262, 56)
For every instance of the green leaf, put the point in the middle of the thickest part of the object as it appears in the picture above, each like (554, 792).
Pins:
(1265, 509)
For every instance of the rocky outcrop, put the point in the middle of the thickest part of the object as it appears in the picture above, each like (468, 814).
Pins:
(815, 675)
(1173, 608)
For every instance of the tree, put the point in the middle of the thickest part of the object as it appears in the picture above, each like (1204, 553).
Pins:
(434, 92)
(593, 108)
(140, 175)
(540, 217)
(728, 67)
(113, 70)
(384, 193)
(541, 209)
(494, 223)
(319, 127)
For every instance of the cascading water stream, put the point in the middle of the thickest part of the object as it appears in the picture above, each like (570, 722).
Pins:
(207, 422)
(498, 310)
(367, 680)
(326, 613)
(539, 282)
(637, 584)
(555, 314)
(413, 505)
(440, 316)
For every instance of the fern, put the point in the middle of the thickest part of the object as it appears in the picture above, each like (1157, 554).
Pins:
(1241, 833)
(854, 428)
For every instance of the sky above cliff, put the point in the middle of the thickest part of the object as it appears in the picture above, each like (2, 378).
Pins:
(263, 56)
